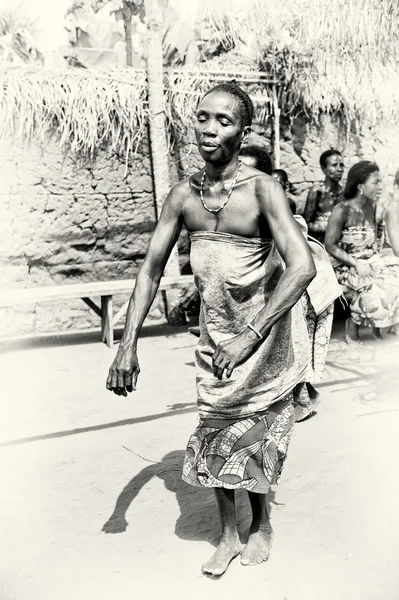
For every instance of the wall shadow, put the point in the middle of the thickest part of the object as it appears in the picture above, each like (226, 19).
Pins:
(198, 519)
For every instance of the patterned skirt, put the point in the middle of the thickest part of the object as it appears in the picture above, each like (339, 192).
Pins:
(374, 299)
(245, 453)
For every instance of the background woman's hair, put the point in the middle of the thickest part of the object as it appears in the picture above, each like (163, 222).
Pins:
(357, 175)
(246, 107)
(261, 157)
(283, 174)
(396, 180)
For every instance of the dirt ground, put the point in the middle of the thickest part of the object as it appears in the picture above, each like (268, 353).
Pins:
(93, 508)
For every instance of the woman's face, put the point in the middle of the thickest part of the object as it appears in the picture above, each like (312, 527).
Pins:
(372, 187)
(218, 129)
(334, 168)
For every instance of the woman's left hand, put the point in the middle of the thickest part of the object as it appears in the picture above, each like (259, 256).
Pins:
(232, 352)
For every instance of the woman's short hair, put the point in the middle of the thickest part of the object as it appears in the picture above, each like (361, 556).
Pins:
(282, 174)
(358, 174)
(261, 157)
(326, 155)
(246, 107)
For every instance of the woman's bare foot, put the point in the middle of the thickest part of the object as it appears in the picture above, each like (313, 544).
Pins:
(258, 547)
(228, 548)
(376, 333)
(352, 333)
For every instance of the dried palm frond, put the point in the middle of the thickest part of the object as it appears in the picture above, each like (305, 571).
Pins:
(85, 110)
(330, 55)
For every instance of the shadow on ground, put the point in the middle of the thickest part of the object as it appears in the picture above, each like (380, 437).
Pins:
(78, 338)
(198, 520)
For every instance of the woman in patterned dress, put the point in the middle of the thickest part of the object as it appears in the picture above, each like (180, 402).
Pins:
(370, 280)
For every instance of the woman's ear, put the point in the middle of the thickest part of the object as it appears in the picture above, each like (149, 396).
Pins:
(245, 134)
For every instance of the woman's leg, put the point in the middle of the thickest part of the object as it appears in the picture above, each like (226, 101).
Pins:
(229, 546)
(351, 331)
(260, 538)
(395, 329)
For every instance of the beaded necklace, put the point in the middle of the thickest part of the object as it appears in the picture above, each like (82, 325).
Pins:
(216, 210)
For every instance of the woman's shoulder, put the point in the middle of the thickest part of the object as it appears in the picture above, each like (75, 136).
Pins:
(342, 207)
(315, 190)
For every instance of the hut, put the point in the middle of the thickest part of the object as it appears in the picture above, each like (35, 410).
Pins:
(77, 180)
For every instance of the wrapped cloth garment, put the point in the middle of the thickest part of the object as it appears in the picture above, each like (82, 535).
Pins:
(324, 289)
(235, 277)
(246, 421)
(374, 298)
(243, 453)
(318, 304)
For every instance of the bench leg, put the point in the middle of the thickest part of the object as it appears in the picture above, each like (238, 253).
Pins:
(107, 330)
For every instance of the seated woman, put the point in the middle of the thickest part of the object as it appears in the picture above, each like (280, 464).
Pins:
(370, 281)
(322, 197)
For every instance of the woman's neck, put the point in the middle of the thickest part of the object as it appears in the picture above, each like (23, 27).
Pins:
(221, 172)
(362, 202)
(331, 185)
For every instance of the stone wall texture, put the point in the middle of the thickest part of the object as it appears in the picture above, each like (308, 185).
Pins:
(62, 222)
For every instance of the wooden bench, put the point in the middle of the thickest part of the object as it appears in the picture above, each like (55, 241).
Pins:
(103, 289)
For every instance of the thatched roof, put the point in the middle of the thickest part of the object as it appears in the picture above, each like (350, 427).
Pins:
(332, 55)
(86, 110)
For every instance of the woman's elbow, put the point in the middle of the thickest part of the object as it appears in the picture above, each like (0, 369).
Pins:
(311, 272)
(330, 247)
(306, 271)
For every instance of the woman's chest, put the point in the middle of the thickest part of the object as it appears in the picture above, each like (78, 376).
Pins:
(240, 216)
(328, 200)
(358, 217)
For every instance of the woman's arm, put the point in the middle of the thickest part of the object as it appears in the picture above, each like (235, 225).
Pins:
(392, 226)
(293, 249)
(125, 368)
(299, 272)
(147, 282)
(311, 205)
(333, 234)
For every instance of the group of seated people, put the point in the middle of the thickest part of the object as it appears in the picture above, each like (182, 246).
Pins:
(363, 242)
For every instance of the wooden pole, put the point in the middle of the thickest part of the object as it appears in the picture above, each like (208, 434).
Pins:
(127, 25)
(276, 125)
(158, 139)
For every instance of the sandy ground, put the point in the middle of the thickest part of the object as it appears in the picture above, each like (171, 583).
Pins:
(92, 505)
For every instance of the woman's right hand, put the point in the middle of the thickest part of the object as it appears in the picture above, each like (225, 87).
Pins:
(362, 268)
(124, 371)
